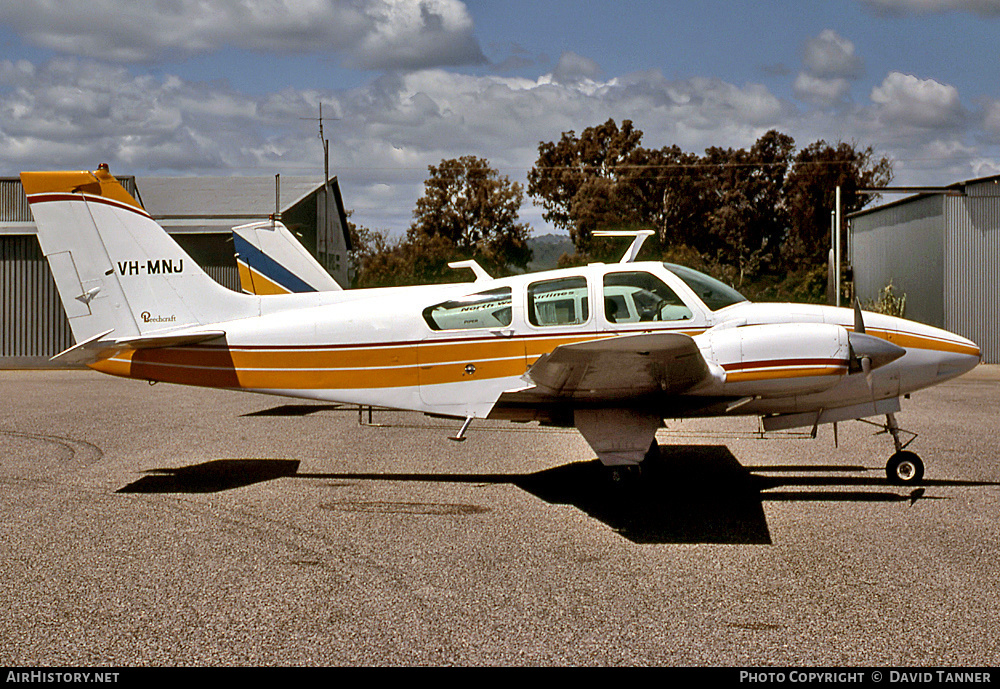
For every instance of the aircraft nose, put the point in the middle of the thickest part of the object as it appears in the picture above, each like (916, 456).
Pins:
(963, 356)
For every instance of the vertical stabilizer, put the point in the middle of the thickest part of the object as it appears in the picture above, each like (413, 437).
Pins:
(272, 261)
(115, 268)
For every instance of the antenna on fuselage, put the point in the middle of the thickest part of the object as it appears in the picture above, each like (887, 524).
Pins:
(472, 265)
(633, 250)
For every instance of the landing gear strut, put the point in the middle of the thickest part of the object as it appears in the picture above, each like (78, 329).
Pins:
(904, 467)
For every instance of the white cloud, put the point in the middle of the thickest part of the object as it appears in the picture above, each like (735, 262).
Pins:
(821, 91)
(406, 34)
(573, 69)
(75, 113)
(830, 66)
(374, 34)
(907, 100)
(991, 120)
(72, 113)
(830, 55)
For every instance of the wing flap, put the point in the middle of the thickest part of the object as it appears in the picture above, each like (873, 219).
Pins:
(621, 367)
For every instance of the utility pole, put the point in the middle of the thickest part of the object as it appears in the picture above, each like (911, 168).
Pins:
(837, 244)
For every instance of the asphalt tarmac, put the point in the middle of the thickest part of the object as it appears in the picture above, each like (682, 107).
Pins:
(167, 525)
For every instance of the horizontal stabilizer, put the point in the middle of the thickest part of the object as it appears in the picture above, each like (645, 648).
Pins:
(621, 367)
(88, 351)
(174, 340)
(101, 347)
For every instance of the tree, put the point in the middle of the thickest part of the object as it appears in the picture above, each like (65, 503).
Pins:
(576, 180)
(745, 221)
(816, 172)
(748, 214)
(470, 208)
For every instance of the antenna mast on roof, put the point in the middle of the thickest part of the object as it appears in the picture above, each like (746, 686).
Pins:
(321, 236)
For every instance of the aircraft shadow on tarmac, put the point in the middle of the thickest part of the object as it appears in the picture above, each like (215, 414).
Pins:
(295, 410)
(689, 494)
(212, 477)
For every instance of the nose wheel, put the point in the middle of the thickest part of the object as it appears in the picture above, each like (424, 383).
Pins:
(904, 468)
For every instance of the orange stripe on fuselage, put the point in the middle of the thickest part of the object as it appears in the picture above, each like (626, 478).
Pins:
(784, 373)
(915, 341)
(775, 369)
(336, 367)
(408, 364)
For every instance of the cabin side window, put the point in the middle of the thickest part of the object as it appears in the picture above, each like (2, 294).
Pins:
(716, 295)
(635, 297)
(558, 302)
(490, 309)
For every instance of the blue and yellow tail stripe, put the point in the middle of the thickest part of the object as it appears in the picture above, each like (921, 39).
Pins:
(261, 274)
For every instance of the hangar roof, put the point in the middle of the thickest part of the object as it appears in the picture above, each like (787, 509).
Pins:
(979, 186)
(185, 204)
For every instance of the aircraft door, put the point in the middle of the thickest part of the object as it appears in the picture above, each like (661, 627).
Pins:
(558, 311)
(471, 355)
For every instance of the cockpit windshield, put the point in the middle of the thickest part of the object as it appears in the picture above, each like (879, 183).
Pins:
(716, 295)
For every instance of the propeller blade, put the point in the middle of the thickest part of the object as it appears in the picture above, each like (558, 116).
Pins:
(859, 322)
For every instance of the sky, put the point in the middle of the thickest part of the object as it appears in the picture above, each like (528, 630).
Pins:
(234, 87)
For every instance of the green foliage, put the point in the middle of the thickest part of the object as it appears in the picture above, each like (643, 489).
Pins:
(468, 211)
(888, 302)
(757, 218)
(576, 180)
(810, 193)
(746, 216)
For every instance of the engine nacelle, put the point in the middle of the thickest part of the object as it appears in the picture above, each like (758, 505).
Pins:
(775, 360)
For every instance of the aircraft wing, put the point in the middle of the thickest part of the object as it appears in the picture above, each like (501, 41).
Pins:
(620, 367)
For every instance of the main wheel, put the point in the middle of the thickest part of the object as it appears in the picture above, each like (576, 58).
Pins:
(625, 474)
(904, 468)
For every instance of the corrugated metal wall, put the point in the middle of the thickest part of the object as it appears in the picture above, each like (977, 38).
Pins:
(33, 323)
(972, 267)
(943, 251)
(904, 244)
(227, 276)
(13, 202)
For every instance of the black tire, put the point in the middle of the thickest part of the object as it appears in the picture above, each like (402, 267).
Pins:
(625, 474)
(904, 469)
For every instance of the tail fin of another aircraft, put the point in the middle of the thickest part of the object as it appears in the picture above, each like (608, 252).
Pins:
(272, 261)
(119, 274)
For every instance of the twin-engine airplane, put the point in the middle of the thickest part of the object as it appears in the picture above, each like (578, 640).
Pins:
(610, 349)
